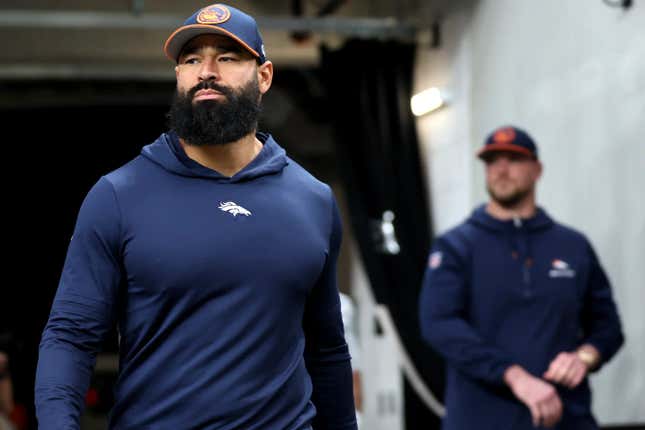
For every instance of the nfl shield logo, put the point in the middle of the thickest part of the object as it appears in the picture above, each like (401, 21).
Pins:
(435, 260)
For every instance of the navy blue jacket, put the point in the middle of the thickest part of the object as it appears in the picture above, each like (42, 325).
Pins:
(223, 291)
(497, 293)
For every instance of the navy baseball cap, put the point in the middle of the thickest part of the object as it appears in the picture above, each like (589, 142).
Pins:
(509, 139)
(218, 19)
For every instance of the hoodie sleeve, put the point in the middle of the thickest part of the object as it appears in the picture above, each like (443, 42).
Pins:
(326, 354)
(82, 312)
(600, 321)
(442, 314)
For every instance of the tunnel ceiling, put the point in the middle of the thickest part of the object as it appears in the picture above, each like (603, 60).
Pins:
(123, 39)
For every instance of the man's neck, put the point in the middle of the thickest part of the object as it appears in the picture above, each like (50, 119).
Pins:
(227, 159)
(524, 209)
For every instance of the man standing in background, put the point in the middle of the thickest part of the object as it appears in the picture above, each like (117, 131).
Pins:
(518, 305)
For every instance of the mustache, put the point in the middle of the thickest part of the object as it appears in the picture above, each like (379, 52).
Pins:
(210, 85)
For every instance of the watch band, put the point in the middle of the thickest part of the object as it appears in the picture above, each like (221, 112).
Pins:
(587, 357)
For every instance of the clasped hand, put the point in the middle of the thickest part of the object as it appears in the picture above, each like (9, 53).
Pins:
(539, 395)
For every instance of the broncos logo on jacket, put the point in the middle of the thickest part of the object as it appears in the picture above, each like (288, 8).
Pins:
(234, 209)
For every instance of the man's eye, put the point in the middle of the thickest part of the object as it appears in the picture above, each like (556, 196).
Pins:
(191, 60)
(227, 59)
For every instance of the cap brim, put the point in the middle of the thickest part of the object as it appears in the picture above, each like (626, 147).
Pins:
(506, 147)
(181, 36)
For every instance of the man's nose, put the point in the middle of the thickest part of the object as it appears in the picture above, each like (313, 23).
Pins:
(208, 70)
(500, 164)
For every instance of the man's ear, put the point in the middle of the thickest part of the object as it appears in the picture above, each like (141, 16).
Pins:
(538, 170)
(265, 76)
(177, 72)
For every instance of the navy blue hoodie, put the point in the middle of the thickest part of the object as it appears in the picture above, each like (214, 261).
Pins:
(223, 291)
(498, 293)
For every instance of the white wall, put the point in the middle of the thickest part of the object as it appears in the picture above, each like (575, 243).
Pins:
(381, 378)
(444, 136)
(573, 74)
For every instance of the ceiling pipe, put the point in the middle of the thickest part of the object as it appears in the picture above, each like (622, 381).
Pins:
(382, 28)
(137, 7)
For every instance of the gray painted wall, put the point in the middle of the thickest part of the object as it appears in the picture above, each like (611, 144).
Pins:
(573, 74)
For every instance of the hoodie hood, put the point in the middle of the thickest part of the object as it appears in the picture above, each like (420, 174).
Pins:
(168, 153)
(481, 218)
(516, 232)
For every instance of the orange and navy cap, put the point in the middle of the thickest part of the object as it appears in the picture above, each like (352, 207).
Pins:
(218, 19)
(509, 139)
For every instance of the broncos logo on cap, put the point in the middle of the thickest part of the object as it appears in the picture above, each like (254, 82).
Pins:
(214, 14)
(504, 135)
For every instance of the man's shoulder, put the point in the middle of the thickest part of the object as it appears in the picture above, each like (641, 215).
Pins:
(124, 175)
(302, 178)
(567, 232)
(464, 231)
(459, 238)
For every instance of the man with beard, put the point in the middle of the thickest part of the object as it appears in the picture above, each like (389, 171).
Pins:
(518, 305)
(215, 255)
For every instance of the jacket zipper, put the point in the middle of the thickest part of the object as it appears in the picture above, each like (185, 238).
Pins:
(526, 264)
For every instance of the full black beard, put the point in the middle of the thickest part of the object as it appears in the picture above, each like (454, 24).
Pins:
(213, 122)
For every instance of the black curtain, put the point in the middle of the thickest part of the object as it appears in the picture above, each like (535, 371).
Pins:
(369, 87)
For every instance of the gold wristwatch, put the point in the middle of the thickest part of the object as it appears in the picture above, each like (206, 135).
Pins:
(587, 357)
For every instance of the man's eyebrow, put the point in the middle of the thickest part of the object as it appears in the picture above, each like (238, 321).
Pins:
(187, 50)
(223, 47)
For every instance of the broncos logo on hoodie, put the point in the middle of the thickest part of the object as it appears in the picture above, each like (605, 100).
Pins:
(234, 209)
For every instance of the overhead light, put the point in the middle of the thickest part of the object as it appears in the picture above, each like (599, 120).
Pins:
(427, 101)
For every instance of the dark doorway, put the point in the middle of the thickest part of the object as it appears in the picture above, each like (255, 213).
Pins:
(59, 138)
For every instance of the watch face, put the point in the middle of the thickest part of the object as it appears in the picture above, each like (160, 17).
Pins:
(586, 357)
